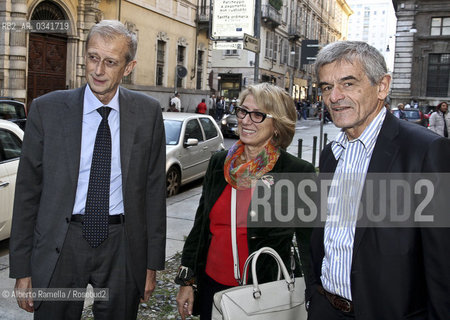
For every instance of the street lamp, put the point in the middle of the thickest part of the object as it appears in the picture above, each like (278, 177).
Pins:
(291, 78)
(292, 50)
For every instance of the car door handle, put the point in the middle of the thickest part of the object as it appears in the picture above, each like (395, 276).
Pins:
(3, 184)
(205, 148)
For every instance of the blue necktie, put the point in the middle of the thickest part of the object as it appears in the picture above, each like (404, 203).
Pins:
(95, 221)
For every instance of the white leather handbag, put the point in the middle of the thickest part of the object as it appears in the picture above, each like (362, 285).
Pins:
(280, 300)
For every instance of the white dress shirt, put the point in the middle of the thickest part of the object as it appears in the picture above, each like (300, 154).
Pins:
(91, 121)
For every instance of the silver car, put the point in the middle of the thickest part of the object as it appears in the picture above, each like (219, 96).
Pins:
(191, 140)
(10, 148)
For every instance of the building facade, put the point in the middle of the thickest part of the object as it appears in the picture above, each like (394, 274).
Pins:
(374, 22)
(422, 54)
(173, 52)
(284, 24)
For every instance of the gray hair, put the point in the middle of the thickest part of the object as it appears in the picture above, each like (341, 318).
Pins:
(371, 60)
(112, 29)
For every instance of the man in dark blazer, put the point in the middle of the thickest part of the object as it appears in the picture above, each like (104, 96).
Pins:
(48, 246)
(362, 271)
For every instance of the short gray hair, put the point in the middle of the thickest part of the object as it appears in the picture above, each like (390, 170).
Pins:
(371, 59)
(112, 29)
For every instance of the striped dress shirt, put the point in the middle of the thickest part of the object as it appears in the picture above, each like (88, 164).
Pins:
(343, 203)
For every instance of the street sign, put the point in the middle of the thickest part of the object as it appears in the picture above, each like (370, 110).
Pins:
(181, 71)
(310, 48)
(251, 43)
(232, 18)
(227, 45)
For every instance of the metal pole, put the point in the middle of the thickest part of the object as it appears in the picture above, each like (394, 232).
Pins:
(321, 125)
(314, 150)
(300, 144)
(175, 81)
(257, 36)
(291, 84)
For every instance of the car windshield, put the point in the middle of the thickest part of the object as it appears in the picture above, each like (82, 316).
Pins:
(412, 114)
(11, 110)
(172, 128)
(409, 114)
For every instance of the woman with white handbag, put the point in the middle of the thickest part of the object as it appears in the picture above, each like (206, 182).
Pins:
(266, 126)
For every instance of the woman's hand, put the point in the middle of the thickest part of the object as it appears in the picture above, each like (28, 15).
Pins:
(185, 301)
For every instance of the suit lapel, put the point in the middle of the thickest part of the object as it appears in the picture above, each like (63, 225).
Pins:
(72, 118)
(383, 157)
(127, 130)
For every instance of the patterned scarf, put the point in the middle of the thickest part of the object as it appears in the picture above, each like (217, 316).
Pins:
(241, 176)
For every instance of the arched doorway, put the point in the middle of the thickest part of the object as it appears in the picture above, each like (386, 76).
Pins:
(46, 55)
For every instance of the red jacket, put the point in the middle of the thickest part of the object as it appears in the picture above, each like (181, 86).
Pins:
(201, 108)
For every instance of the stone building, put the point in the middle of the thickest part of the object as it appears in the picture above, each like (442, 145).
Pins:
(422, 53)
(172, 53)
(284, 24)
(374, 22)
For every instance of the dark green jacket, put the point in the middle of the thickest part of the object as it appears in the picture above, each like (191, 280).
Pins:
(196, 246)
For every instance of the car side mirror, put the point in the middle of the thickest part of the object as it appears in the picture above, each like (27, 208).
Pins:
(190, 142)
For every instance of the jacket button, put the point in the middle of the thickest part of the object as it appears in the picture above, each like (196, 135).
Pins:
(57, 250)
(67, 220)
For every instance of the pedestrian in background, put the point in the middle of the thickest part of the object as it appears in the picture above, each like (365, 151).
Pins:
(201, 107)
(89, 203)
(440, 120)
(374, 272)
(212, 106)
(401, 111)
(220, 108)
(266, 125)
(175, 103)
(233, 105)
(305, 109)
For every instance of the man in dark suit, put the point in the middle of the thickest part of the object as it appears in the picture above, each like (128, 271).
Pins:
(362, 271)
(90, 197)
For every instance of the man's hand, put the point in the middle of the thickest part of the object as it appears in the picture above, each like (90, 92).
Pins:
(150, 285)
(23, 294)
(185, 301)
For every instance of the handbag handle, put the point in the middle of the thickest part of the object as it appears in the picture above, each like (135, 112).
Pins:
(289, 281)
(234, 248)
(243, 281)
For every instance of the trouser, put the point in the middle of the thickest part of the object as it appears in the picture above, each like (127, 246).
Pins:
(219, 113)
(106, 266)
(206, 296)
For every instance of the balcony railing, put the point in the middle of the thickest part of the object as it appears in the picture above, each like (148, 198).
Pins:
(294, 32)
(270, 16)
(203, 14)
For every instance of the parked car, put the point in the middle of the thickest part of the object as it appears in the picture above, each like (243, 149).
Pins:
(10, 148)
(191, 140)
(229, 125)
(412, 115)
(13, 110)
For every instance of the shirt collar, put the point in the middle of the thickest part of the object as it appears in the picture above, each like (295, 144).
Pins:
(91, 102)
(368, 138)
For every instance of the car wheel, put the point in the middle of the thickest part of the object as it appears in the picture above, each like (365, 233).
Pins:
(173, 181)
